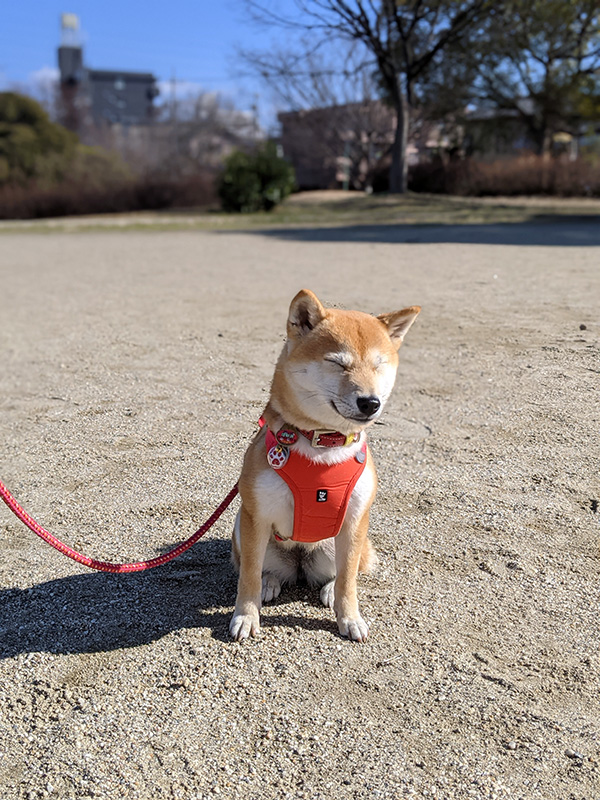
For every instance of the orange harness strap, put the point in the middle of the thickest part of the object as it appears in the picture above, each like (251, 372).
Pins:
(321, 492)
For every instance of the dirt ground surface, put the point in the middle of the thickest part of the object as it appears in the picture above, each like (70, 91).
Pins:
(135, 366)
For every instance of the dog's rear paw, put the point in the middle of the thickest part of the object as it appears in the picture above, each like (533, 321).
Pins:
(355, 629)
(327, 594)
(271, 587)
(244, 625)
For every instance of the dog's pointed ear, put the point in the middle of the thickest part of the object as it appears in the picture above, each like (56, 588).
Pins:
(306, 311)
(398, 323)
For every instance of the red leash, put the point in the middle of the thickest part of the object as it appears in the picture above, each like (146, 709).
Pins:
(105, 566)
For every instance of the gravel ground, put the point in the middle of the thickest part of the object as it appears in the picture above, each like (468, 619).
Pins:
(134, 368)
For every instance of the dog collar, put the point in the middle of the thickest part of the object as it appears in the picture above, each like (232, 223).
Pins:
(321, 438)
(288, 435)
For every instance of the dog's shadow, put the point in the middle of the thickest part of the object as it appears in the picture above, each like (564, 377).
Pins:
(98, 612)
(95, 612)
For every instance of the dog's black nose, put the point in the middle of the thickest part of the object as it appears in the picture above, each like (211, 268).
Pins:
(368, 405)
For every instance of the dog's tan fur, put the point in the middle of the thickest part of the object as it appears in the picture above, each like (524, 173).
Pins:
(331, 359)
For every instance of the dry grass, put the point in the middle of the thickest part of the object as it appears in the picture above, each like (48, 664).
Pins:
(84, 197)
(518, 176)
(330, 209)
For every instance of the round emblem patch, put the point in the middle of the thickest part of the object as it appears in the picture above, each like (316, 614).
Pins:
(360, 456)
(277, 456)
(286, 437)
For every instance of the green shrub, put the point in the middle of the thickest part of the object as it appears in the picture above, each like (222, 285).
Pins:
(31, 145)
(46, 172)
(255, 181)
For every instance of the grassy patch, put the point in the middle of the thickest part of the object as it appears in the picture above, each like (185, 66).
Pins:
(328, 209)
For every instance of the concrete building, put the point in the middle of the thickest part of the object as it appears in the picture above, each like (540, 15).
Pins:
(92, 97)
(348, 146)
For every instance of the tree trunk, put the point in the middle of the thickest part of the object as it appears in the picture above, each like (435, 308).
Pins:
(547, 142)
(538, 131)
(399, 166)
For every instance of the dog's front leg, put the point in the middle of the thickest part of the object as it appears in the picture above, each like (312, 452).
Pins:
(348, 547)
(253, 544)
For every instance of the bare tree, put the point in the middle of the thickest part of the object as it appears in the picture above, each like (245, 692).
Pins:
(188, 136)
(402, 40)
(337, 127)
(200, 129)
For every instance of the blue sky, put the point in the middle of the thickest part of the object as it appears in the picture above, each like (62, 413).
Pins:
(193, 40)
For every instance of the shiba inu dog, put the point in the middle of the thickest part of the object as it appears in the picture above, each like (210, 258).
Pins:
(308, 479)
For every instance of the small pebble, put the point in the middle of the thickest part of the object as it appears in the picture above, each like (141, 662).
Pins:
(573, 753)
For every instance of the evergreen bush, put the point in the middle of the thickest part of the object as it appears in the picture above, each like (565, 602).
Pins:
(31, 145)
(255, 181)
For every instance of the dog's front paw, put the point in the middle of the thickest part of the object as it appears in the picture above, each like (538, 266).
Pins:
(355, 629)
(327, 594)
(244, 625)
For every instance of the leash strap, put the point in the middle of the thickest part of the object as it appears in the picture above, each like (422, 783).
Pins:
(106, 566)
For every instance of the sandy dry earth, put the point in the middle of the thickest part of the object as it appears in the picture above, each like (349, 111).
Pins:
(134, 368)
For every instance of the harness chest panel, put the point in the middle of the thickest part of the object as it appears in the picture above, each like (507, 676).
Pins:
(321, 492)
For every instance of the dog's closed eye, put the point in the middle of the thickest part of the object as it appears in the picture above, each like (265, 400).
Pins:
(343, 360)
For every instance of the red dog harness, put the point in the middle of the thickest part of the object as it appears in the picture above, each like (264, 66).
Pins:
(321, 491)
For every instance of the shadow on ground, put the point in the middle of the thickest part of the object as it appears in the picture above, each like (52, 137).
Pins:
(545, 230)
(97, 611)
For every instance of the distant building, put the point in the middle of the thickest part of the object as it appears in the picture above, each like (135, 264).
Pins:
(348, 146)
(336, 146)
(91, 97)
(115, 109)
(121, 97)
(492, 132)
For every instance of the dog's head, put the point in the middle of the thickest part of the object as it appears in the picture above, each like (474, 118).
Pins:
(338, 367)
